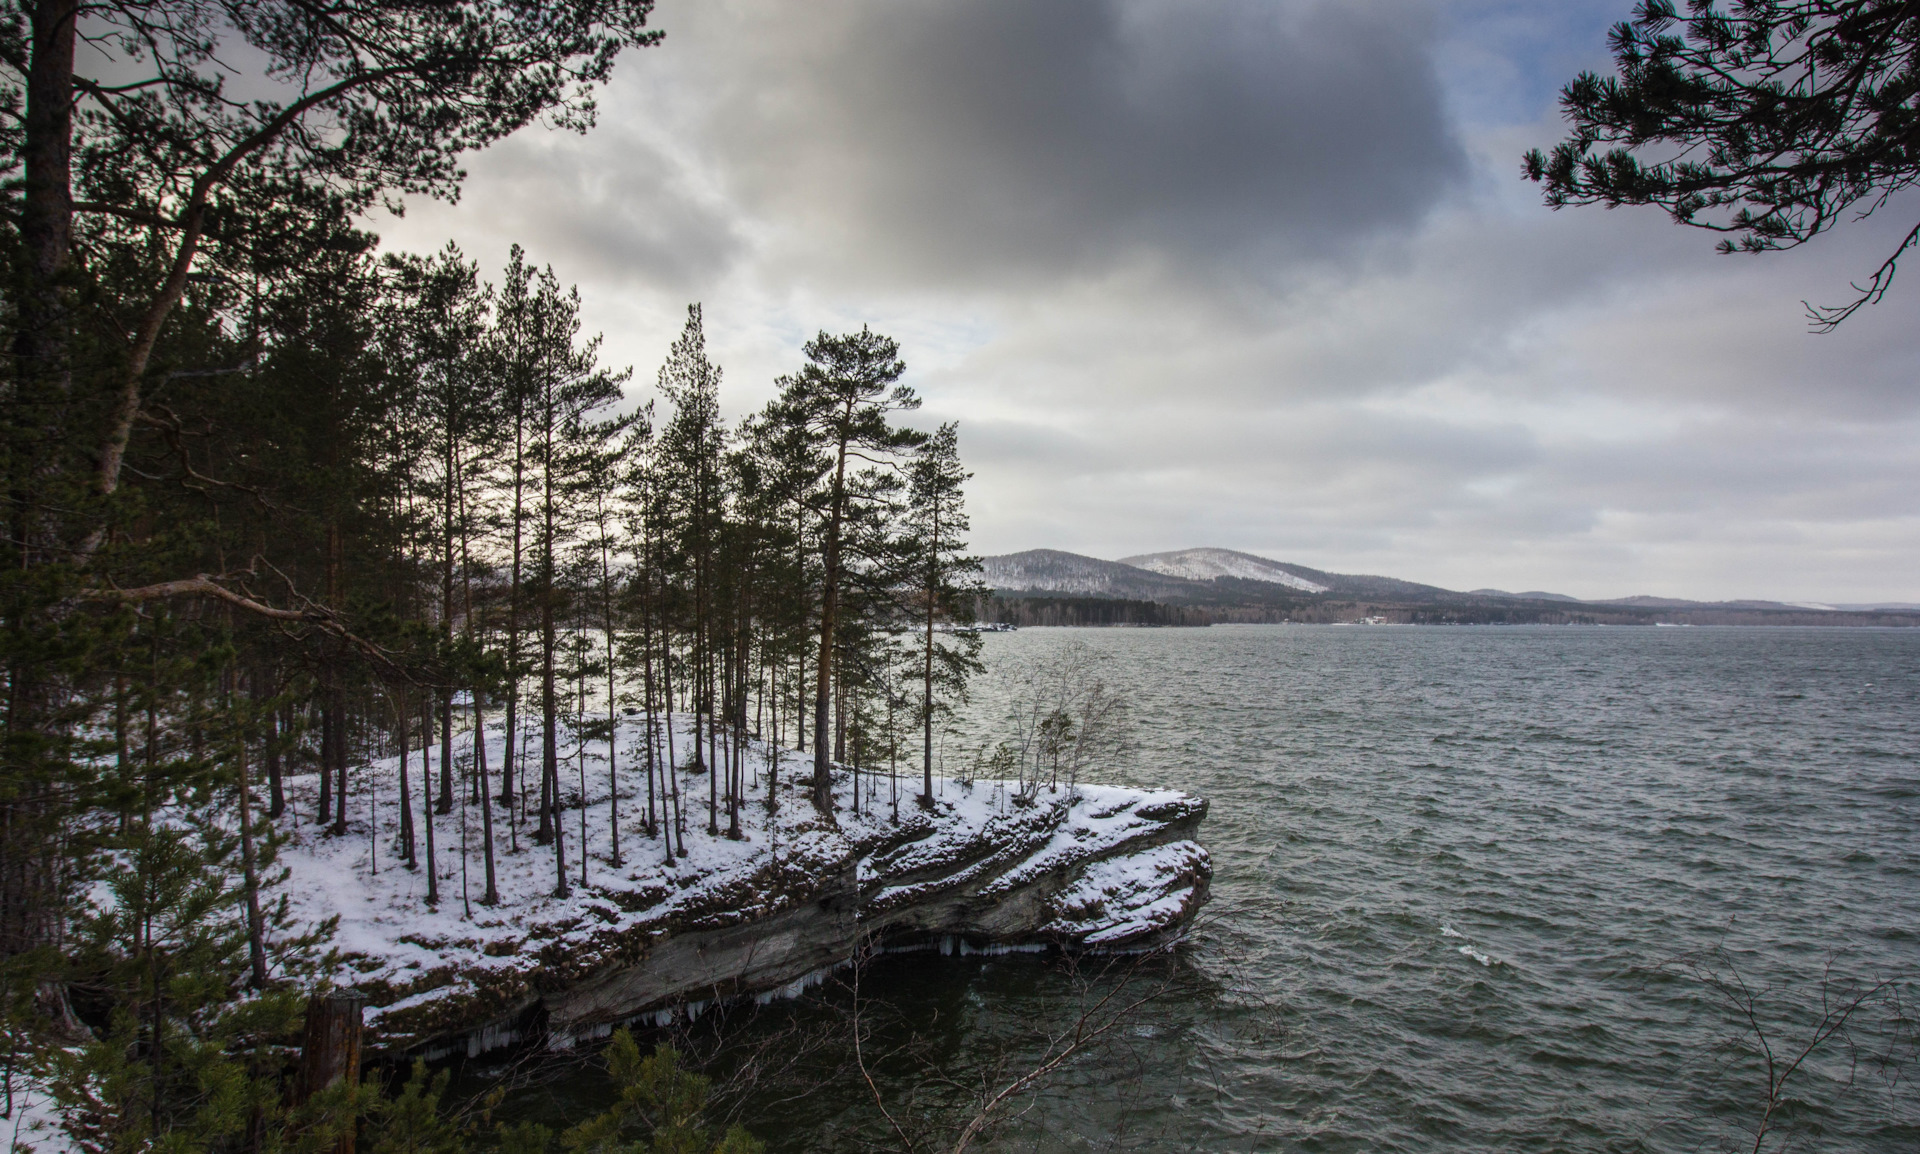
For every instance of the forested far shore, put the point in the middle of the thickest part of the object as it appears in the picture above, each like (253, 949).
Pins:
(1030, 611)
(1031, 608)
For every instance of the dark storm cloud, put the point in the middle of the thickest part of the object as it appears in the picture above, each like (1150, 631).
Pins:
(944, 140)
(1254, 275)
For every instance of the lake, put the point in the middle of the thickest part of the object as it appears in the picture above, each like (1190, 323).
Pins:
(1470, 885)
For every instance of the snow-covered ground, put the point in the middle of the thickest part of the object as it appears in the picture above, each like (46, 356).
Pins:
(1110, 866)
(32, 1126)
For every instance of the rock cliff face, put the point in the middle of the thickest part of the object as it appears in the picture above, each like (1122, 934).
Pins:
(1091, 868)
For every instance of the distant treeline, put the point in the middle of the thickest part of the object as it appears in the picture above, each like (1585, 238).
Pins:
(1032, 611)
(1040, 609)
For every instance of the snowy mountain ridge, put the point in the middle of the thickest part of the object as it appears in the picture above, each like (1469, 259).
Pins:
(1188, 576)
(1207, 564)
(1227, 577)
(1053, 571)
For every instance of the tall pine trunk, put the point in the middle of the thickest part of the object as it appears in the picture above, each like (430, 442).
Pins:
(480, 786)
(677, 821)
(40, 345)
(327, 732)
(341, 760)
(450, 464)
(829, 608)
(550, 823)
(426, 796)
(926, 699)
(513, 617)
(647, 688)
(613, 719)
(406, 790)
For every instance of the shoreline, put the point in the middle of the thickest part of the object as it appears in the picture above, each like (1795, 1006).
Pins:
(1090, 867)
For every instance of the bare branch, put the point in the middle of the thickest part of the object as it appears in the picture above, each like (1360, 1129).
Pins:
(206, 585)
(1086, 1030)
(859, 1057)
(203, 585)
(1826, 318)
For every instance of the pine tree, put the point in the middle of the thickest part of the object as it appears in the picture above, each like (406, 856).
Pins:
(843, 398)
(691, 448)
(568, 445)
(945, 582)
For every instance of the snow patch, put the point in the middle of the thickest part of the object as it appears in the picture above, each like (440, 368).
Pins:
(1207, 564)
(33, 1126)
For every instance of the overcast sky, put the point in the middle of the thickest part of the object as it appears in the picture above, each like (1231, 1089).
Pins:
(1258, 274)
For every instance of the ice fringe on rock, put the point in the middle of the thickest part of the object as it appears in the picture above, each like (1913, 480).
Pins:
(767, 916)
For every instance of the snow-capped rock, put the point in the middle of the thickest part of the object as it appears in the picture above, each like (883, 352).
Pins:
(1094, 867)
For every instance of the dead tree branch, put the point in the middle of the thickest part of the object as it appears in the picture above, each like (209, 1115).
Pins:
(309, 612)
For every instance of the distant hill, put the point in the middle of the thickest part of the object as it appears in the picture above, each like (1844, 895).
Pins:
(1190, 576)
(1207, 564)
(1227, 585)
(1052, 571)
(1645, 602)
(1532, 595)
(1366, 585)
(1225, 566)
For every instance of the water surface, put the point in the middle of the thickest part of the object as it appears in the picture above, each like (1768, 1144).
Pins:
(1456, 871)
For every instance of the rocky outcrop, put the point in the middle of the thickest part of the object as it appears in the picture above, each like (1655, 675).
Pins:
(1093, 868)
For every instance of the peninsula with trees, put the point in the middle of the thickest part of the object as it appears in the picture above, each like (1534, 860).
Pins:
(372, 654)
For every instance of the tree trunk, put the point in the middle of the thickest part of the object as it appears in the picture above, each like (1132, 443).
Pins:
(276, 789)
(330, 1052)
(677, 821)
(550, 822)
(773, 726)
(328, 727)
(46, 218)
(513, 615)
(823, 672)
(926, 700)
(406, 790)
(840, 719)
(426, 796)
(450, 466)
(613, 751)
(492, 896)
(256, 937)
(340, 758)
(653, 737)
(479, 785)
(445, 804)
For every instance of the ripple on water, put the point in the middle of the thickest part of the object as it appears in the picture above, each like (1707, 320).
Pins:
(1454, 869)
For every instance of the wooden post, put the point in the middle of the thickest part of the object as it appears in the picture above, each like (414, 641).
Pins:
(331, 1048)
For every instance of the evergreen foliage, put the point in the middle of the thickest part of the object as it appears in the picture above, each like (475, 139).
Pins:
(660, 1109)
(946, 581)
(1767, 120)
(277, 506)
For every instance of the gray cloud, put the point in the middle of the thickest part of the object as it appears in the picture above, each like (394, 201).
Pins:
(1701, 505)
(1252, 275)
(617, 205)
(947, 142)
